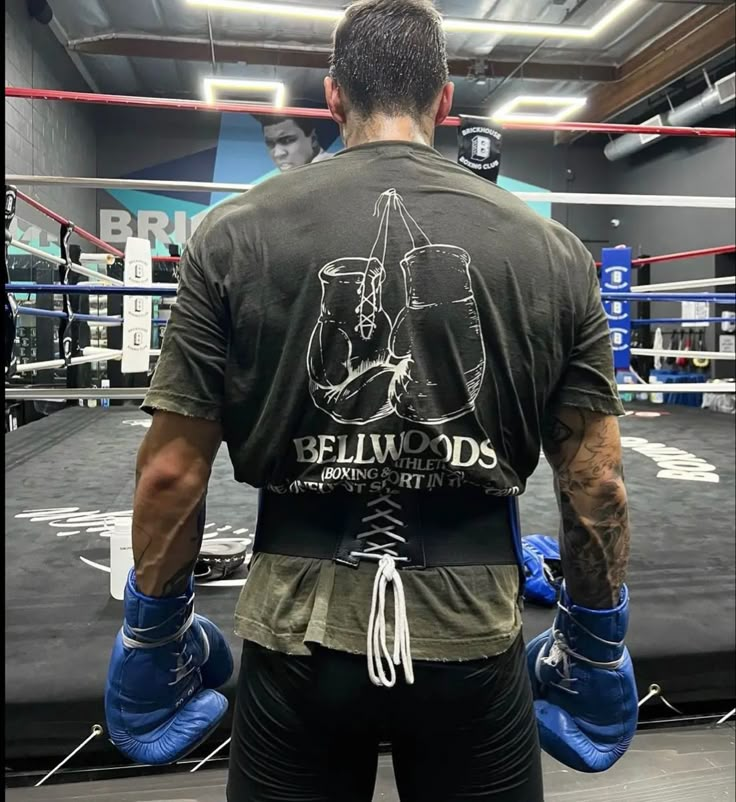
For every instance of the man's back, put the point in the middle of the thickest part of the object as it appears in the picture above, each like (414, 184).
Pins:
(394, 322)
(378, 339)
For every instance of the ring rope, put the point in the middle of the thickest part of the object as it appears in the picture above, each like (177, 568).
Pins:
(138, 394)
(577, 198)
(57, 260)
(687, 354)
(691, 284)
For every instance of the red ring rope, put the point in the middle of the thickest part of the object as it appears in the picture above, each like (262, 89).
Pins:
(671, 257)
(63, 221)
(292, 111)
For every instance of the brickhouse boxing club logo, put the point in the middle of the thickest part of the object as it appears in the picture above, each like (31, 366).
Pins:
(367, 360)
(74, 523)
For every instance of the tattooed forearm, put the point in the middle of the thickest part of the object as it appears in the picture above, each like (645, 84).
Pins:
(562, 441)
(584, 450)
(594, 543)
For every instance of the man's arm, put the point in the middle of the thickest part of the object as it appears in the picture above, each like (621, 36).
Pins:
(584, 450)
(172, 471)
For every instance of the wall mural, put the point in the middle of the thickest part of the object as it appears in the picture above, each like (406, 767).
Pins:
(249, 150)
(243, 149)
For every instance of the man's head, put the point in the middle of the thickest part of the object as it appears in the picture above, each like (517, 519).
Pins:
(291, 141)
(389, 60)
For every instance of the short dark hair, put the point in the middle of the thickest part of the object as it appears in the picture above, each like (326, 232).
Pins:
(390, 56)
(305, 123)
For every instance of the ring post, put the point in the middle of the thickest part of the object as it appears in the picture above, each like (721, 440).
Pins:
(616, 277)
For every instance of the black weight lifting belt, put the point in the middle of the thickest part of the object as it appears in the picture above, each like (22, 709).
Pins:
(445, 527)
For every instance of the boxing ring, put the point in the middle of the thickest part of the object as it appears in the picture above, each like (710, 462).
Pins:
(69, 473)
(60, 618)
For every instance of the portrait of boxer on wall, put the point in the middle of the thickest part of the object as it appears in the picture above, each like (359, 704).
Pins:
(292, 141)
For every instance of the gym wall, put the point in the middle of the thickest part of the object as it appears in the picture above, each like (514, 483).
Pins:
(534, 159)
(230, 148)
(678, 166)
(46, 138)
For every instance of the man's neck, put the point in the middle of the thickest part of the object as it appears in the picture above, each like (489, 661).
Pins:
(382, 129)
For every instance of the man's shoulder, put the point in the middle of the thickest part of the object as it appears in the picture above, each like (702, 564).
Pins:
(283, 187)
(222, 211)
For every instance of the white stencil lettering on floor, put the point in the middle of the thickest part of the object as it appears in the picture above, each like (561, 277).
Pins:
(144, 422)
(71, 521)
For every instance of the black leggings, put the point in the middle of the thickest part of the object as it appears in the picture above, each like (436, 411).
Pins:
(307, 729)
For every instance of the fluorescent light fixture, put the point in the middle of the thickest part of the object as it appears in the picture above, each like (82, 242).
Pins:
(211, 85)
(561, 108)
(617, 11)
(538, 30)
(272, 9)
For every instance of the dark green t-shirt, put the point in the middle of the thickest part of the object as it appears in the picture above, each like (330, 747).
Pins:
(383, 319)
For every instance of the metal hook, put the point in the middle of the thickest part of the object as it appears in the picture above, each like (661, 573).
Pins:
(96, 732)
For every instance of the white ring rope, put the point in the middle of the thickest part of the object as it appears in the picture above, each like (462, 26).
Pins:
(57, 260)
(137, 394)
(675, 387)
(97, 258)
(580, 198)
(682, 353)
(90, 355)
(604, 199)
(685, 285)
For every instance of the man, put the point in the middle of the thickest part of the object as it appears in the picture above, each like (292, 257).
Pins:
(385, 369)
(292, 141)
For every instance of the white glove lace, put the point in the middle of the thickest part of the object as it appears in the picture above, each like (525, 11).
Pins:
(184, 665)
(383, 524)
(561, 656)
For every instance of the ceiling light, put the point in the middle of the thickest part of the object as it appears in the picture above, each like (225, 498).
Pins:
(538, 30)
(541, 30)
(211, 85)
(272, 9)
(561, 108)
(616, 12)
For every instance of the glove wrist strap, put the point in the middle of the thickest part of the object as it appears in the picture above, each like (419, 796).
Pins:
(562, 645)
(571, 615)
(132, 643)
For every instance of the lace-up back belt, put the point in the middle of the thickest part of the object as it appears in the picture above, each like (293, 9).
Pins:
(418, 530)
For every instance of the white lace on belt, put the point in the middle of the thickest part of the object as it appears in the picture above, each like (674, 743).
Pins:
(383, 521)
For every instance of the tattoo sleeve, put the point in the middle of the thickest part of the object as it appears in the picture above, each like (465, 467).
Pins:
(584, 450)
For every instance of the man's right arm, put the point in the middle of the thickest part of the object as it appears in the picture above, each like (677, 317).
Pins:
(584, 450)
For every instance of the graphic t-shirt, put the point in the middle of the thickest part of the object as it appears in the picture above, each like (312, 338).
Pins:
(382, 320)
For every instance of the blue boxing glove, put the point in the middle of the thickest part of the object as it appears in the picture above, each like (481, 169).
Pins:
(159, 701)
(584, 687)
(542, 568)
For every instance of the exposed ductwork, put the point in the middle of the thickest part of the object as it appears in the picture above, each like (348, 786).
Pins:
(714, 100)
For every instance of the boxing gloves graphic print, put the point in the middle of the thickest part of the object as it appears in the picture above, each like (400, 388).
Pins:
(373, 353)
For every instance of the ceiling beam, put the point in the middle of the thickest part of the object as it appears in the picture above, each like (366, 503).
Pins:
(687, 46)
(181, 49)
